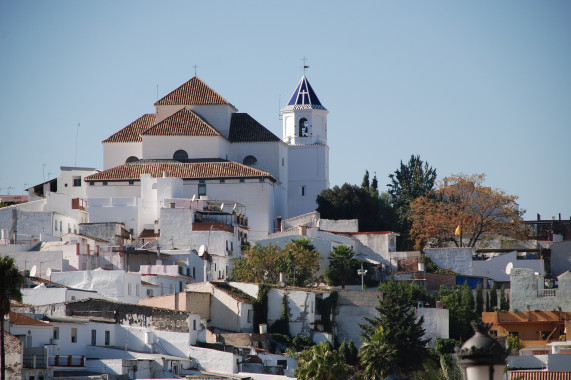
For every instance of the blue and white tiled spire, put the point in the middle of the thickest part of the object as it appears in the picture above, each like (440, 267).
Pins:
(304, 97)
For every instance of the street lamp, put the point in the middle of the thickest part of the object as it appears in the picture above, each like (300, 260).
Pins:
(482, 357)
(362, 272)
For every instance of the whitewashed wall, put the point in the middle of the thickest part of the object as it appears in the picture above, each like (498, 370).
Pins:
(115, 154)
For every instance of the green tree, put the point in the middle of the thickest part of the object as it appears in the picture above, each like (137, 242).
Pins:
(321, 362)
(11, 281)
(479, 301)
(263, 264)
(493, 297)
(377, 357)
(401, 332)
(342, 266)
(410, 181)
(459, 317)
(504, 301)
(350, 202)
(365, 184)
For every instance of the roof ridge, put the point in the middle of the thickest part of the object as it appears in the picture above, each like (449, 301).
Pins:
(183, 122)
(132, 132)
(193, 92)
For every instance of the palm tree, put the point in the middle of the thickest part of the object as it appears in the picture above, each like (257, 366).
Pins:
(376, 357)
(321, 362)
(11, 280)
(342, 265)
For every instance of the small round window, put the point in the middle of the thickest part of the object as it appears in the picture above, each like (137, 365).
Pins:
(180, 155)
(250, 160)
(131, 159)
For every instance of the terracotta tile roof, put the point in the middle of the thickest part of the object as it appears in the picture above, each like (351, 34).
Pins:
(182, 123)
(21, 319)
(244, 128)
(148, 233)
(132, 132)
(193, 92)
(540, 375)
(185, 170)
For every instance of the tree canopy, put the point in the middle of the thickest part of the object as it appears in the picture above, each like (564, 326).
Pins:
(321, 362)
(410, 181)
(463, 212)
(395, 333)
(342, 266)
(298, 260)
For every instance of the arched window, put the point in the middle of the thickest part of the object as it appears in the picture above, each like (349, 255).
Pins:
(303, 127)
(131, 159)
(250, 160)
(180, 155)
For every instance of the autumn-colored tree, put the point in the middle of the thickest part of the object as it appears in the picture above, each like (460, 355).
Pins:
(298, 260)
(463, 212)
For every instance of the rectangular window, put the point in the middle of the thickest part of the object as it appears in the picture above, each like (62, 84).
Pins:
(107, 337)
(232, 246)
(56, 333)
(55, 225)
(104, 183)
(249, 316)
(222, 181)
(194, 324)
(242, 180)
(76, 181)
(129, 289)
(94, 337)
(226, 244)
(302, 188)
(201, 189)
(69, 228)
(282, 363)
(137, 290)
(91, 183)
(73, 335)
(60, 226)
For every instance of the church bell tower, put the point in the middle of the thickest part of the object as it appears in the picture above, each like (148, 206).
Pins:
(305, 131)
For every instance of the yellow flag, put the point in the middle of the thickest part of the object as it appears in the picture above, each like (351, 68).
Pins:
(458, 230)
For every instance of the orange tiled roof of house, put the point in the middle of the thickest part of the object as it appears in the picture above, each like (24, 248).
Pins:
(193, 170)
(540, 375)
(193, 92)
(20, 319)
(182, 123)
(132, 132)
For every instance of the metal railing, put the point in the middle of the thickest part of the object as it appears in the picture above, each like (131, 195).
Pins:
(544, 293)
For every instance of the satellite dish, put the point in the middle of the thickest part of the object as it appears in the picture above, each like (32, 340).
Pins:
(509, 267)
(193, 197)
(33, 271)
(49, 272)
(222, 207)
(201, 250)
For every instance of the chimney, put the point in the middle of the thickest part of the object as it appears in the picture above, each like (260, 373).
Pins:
(156, 227)
(538, 216)
(559, 216)
(279, 219)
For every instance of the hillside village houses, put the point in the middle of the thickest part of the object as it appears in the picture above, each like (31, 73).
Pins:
(127, 266)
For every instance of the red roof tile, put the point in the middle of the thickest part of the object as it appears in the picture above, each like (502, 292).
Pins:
(194, 170)
(193, 92)
(132, 132)
(20, 319)
(182, 123)
(540, 375)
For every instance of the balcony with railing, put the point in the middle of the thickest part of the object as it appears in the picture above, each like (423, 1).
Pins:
(546, 293)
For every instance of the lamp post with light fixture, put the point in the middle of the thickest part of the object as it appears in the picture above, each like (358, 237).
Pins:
(482, 357)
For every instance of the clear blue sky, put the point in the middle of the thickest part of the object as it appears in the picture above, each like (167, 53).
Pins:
(470, 86)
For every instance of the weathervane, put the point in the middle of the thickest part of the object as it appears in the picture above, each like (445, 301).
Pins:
(305, 67)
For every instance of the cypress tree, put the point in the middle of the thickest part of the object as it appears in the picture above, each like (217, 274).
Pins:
(488, 301)
(493, 297)
(504, 301)
(365, 184)
(479, 301)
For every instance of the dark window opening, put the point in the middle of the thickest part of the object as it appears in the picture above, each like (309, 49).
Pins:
(131, 159)
(250, 160)
(303, 191)
(76, 181)
(201, 189)
(303, 127)
(180, 155)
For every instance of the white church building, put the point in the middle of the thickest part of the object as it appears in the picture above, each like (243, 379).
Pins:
(198, 146)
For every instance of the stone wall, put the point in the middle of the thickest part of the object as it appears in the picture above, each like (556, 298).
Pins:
(528, 289)
(458, 260)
